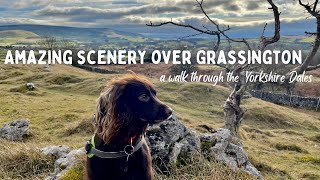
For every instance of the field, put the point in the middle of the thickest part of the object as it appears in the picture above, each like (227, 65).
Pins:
(24, 35)
(18, 37)
(282, 142)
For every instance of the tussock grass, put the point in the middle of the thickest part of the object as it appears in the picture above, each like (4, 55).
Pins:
(267, 170)
(21, 89)
(253, 130)
(60, 114)
(310, 176)
(290, 147)
(34, 77)
(3, 77)
(292, 132)
(22, 162)
(61, 79)
(84, 126)
(198, 167)
(316, 138)
(311, 159)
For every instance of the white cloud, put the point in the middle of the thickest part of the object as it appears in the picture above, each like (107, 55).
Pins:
(94, 13)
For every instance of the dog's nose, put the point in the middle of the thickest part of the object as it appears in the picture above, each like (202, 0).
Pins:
(168, 111)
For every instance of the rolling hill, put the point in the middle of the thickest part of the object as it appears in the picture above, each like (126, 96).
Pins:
(282, 142)
(99, 35)
(17, 34)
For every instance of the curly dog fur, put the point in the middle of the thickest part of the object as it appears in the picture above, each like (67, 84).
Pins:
(124, 111)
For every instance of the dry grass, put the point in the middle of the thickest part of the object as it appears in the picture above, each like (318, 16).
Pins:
(60, 114)
(199, 167)
(290, 147)
(19, 161)
(84, 126)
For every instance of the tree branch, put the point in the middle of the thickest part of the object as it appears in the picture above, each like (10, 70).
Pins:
(315, 6)
(310, 68)
(265, 41)
(218, 27)
(311, 11)
(192, 35)
(305, 65)
(184, 25)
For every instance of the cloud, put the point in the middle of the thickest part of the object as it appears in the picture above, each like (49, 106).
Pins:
(252, 6)
(99, 13)
(19, 21)
(77, 13)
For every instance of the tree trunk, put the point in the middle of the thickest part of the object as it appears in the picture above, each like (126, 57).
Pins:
(233, 111)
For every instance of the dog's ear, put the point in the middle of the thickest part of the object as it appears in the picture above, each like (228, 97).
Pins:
(107, 120)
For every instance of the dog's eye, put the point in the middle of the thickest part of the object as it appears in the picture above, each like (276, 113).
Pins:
(144, 98)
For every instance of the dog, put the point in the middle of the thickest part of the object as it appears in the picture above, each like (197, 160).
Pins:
(124, 112)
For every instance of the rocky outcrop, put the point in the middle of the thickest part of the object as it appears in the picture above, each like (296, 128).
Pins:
(219, 147)
(15, 130)
(66, 159)
(56, 151)
(171, 140)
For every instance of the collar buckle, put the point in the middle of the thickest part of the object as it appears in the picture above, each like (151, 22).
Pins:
(129, 150)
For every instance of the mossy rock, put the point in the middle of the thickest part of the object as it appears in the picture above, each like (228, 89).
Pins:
(206, 145)
(75, 173)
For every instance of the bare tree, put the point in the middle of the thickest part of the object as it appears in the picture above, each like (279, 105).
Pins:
(233, 112)
(48, 42)
(67, 44)
(305, 66)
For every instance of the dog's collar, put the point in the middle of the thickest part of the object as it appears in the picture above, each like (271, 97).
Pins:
(128, 150)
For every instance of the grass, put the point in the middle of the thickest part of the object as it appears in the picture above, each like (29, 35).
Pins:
(14, 37)
(316, 138)
(17, 34)
(195, 168)
(61, 109)
(84, 126)
(77, 172)
(311, 159)
(199, 167)
(61, 79)
(268, 170)
(290, 147)
(18, 161)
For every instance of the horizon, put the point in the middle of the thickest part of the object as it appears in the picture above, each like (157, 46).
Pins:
(132, 15)
(174, 36)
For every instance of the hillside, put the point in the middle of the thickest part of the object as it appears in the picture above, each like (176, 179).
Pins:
(17, 37)
(98, 35)
(282, 142)
(17, 34)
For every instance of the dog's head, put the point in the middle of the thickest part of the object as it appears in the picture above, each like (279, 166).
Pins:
(129, 101)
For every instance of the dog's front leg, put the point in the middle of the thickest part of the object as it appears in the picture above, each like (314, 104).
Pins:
(142, 165)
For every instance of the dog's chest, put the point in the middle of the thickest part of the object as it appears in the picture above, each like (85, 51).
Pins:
(116, 168)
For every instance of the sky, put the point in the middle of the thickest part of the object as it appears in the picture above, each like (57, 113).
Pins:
(134, 14)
